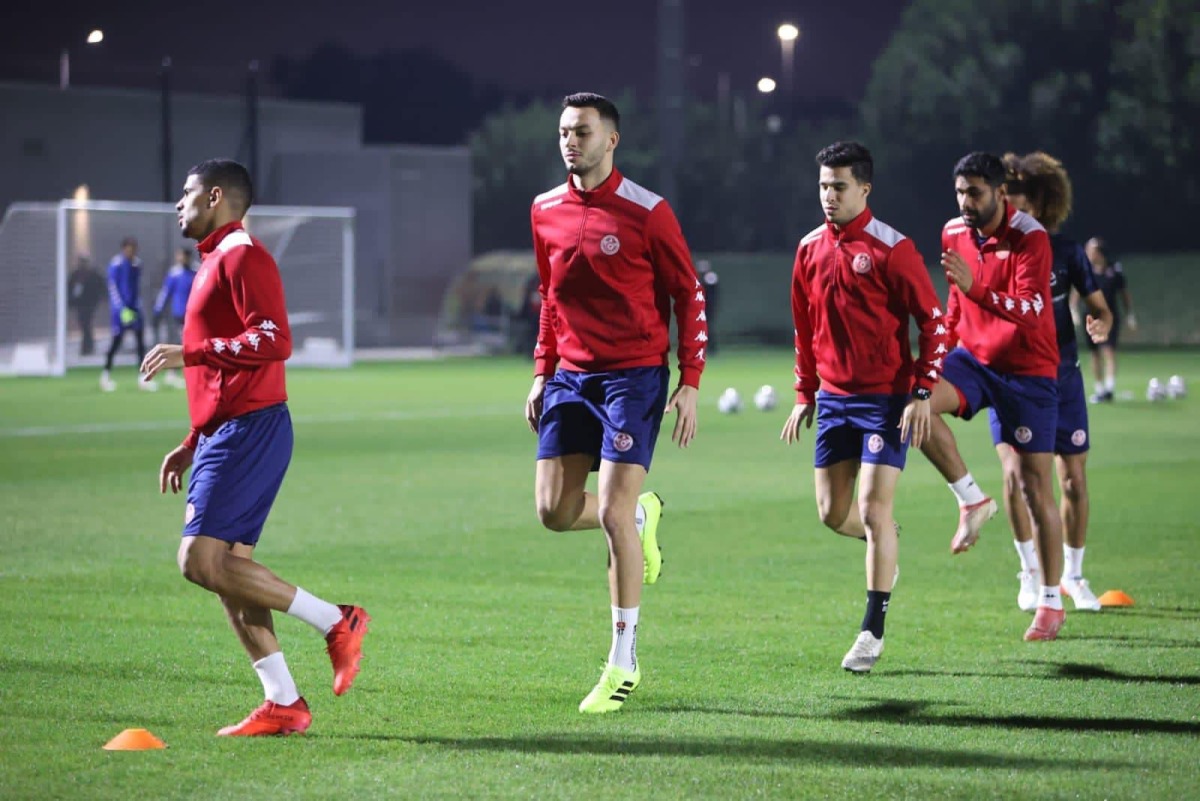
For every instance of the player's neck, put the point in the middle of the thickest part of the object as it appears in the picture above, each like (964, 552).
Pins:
(993, 224)
(592, 178)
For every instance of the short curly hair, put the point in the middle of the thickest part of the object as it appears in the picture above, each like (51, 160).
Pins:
(1047, 186)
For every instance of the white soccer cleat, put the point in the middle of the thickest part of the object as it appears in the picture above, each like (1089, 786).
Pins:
(174, 380)
(106, 383)
(864, 653)
(970, 520)
(1031, 588)
(1081, 594)
(147, 386)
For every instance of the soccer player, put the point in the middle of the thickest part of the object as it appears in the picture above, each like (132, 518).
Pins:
(855, 284)
(1040, 186)
(611, 261)
(1110, 278)
(124, 289)
(235, 340)
(998, 263)
(176, 286)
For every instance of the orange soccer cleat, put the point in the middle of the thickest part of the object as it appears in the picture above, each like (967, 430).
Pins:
(1046, 623)
(344, 646)
(272, 719)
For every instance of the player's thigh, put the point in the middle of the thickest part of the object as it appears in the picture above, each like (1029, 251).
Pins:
(834, 486)
(561, 480)
(877, 492)
(945, 398)
(1072, 474)
(1010, 461)
(1037, 471)
(620, 484)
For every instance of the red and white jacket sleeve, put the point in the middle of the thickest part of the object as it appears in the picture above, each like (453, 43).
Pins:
(1032, 262)
(256, 290)
(545, 352)
(807, 381)
(909, 279)
(673, 266)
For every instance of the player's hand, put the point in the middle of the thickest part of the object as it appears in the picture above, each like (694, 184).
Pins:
(958, 272)
(174, 465)
(161, 357)
(683, 401)
(915, 423)
(1097, 329)
(801, 413)
(1131, 322)
(533, 404)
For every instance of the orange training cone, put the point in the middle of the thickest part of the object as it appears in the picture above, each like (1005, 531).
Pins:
(1115, 598)
(134, 740)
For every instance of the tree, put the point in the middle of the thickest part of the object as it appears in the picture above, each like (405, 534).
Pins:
(1150, 127)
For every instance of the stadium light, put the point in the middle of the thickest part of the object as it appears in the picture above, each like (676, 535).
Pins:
(766, 85)
(64, 58)
(788, 34)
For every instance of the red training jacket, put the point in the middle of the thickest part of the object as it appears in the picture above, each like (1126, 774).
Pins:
(1006, 321)
(235, 332)
(853, 291)
(611, 261)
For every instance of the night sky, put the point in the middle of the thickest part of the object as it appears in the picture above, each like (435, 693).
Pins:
(521, 46)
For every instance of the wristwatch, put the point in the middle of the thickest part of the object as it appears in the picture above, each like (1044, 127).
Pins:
(921, 393)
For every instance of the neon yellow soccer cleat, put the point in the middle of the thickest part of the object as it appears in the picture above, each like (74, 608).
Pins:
(610, 692)
(649, 512)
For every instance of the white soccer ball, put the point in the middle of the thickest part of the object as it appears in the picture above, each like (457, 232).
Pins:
(764, 399)
(1155, 391)
(730, 401)
(1176, 388)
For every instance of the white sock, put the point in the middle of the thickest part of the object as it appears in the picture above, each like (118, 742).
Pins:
(623, 653)
(639, 518)
(1099, 387)
(1051, 597)
(1074, 558)
(1028, 553)
(321, 615)
(967, 491)
(1110, 384)
(276, 679)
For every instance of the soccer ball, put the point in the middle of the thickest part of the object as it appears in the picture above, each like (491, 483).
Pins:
(730, 401)
(764, 399)
(1155, 390)
(1176, 388)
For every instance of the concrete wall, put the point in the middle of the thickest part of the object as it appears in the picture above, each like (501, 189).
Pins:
(413, 229)
(52, 140)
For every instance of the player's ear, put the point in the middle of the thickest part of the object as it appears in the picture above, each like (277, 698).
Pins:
(866, 189)
(613, 138)
(215, 196)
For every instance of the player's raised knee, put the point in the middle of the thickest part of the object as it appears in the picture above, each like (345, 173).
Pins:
(555, 516)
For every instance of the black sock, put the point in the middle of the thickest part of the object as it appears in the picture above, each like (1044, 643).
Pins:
(877, 604)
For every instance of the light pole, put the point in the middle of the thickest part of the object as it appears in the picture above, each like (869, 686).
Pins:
(788, 34)
(766, 85)
(64, 59)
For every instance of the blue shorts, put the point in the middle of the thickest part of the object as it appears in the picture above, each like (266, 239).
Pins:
(1072, 436)
(614, 415)
(236, 475)
(865, 428)
(1026, 407)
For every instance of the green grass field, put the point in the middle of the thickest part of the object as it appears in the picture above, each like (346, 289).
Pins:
(411, 493)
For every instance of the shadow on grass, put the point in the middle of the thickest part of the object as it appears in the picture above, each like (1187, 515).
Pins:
(1135, 640)
(913, 712)
(812, 752)
(1072, 671)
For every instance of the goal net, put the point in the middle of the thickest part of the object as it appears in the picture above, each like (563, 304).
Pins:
(44, 330)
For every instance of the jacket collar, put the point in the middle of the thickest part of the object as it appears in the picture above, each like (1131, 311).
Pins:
(210, 242)
(606, 187)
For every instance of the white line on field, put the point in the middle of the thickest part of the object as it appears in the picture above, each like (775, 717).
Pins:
(314, 419)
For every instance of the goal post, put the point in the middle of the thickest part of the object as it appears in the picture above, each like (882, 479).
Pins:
(45, 331)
